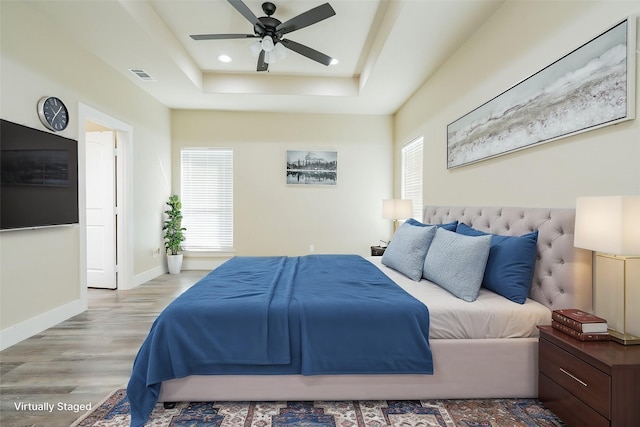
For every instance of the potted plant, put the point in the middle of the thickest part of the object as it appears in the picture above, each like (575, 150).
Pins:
(173, 234)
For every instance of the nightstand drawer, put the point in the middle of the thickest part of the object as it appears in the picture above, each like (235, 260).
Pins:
(570, 409)
(585, 382)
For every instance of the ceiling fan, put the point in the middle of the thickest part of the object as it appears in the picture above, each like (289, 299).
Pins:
(270, 31)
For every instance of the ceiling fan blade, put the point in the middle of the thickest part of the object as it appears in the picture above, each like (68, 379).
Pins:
(307, 51)
(307, 18)
(221, 36)
(262, 65)
(246, 12)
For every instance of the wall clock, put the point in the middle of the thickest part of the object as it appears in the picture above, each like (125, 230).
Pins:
(53, 113)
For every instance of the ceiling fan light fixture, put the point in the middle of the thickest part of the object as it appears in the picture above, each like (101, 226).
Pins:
(270, 31)
(267, 43)
(256, 48)
(280, 51)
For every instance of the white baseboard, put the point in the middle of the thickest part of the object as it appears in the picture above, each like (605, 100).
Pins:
(197, 264)
(145, 276)
(202, 263)
(28, 328)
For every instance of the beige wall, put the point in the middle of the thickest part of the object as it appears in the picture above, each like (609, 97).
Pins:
(518, 40)
(272, 218)
(40, 269)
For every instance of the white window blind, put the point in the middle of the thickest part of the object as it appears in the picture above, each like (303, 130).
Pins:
(412, 175)
(207, 198)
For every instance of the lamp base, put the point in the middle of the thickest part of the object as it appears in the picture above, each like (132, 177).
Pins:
(624, 339)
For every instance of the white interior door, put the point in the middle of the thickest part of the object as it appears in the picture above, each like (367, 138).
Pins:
(101, 210)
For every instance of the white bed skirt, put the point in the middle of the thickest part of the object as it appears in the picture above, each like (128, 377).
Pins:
(463, 369)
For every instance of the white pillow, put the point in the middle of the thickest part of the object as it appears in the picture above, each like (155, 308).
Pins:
(456, 262)
(407, 250)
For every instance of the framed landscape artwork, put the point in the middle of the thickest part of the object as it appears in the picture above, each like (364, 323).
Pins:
(312, 167)
(591, 87)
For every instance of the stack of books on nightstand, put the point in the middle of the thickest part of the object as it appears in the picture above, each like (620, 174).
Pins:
(580, 324)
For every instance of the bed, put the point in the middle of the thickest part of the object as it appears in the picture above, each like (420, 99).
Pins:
(481, 349)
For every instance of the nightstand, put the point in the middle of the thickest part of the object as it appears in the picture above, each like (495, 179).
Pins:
(377, 250)
(588, 383)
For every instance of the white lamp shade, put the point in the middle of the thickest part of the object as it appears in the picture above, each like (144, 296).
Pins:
(280, 51)
(397, 208)
(256, 48)
(267, 44)
(608, 224)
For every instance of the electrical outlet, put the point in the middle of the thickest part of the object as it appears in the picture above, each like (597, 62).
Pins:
(312, 248)
(155, 252)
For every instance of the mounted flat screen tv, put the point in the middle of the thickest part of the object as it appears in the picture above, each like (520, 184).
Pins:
(39, 177)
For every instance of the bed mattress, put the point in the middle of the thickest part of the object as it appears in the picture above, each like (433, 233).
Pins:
(490, 316)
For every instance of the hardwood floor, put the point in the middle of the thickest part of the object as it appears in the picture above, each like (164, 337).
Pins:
(51, 378)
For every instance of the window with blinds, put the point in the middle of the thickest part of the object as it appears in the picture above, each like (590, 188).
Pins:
(207, 198)
(412, 175)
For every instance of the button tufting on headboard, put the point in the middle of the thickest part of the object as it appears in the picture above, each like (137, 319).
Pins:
(562, 275)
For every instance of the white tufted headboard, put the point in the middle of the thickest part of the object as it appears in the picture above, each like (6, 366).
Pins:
(562, 277)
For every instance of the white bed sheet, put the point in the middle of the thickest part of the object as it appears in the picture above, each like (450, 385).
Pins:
(490, 316)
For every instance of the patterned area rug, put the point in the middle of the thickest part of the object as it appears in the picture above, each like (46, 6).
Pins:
(114, 412)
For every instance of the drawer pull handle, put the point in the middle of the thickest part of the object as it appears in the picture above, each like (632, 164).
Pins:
(573, 377)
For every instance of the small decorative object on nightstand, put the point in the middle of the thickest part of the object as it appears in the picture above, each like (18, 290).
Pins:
(595, 383)
(377, 250)
(580, 324)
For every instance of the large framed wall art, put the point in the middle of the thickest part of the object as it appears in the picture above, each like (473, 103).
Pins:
(591, 87)
(312, 167)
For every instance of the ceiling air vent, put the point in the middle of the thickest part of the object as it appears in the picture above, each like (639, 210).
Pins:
(142, 74)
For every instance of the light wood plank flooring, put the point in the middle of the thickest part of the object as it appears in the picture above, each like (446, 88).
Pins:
(82, 360)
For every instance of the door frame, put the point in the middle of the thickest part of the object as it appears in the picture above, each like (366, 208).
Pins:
(124, 200)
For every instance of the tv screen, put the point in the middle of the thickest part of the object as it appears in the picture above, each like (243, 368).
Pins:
(39, 177)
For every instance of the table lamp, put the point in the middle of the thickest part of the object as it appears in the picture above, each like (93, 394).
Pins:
(610, 226)
(397, 209)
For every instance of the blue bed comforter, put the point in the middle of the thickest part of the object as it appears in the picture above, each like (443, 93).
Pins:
(311, 315)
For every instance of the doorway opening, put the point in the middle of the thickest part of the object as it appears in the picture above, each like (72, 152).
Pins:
(101, 156)
(105, 152)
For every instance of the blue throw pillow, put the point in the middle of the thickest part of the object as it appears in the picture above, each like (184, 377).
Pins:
(510, 265)
(451, 226)
(456, 263)
(407, 250)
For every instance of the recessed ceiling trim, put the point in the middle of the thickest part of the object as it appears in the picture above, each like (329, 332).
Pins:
(384, 22)
(145, 15)
(154, 36)
(279, 85)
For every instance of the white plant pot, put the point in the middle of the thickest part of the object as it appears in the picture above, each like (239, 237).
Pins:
(175, 263)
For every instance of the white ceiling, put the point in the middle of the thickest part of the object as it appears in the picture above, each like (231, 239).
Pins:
(386, 50)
